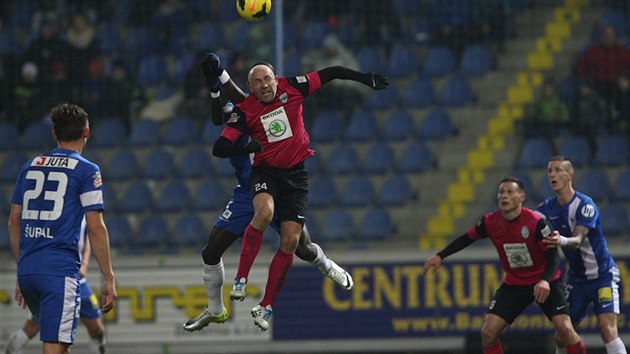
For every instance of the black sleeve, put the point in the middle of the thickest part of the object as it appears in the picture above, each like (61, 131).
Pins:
(225, 148)
(553, 262)
(455, 246)
(216, 111)
(341, 72)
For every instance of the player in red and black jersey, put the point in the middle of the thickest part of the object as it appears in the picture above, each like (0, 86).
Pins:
(531, 268)
(272, 115)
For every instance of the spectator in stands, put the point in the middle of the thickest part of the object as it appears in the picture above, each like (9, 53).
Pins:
(343, 95)
(603, 63)
(590, 113)
(47, 49)
(84, 47)
(620, 115)
(547, 113)
(9, 77)
(125, 98)
(28, 96)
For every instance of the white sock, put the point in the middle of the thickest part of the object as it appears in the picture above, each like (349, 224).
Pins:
(321, 261)
(97, 346)
(561, 350)
(615, 346)
(213, 276)
(17, 341)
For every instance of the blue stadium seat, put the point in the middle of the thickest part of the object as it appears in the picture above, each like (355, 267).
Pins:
(175, 196)
(419, 94)
(535, 153)
(11, 166)
(195, 163)
(189, 231)
(399, 126)
(359, 192)
(144, 132)
(612, 151)
(181, 131)
(376, 225)
(183, 64)
(595, 183)
(210, 195)
(210, 133)
(436, 125)
(5, 240)
(379, 159)
(327, 127)
(383, 99)
(369, 59)
(476, 61)
(152, 71)
(577, 149)
(313, 165)
(223, 168)
(238, 41)
(123, 165)
(404, 8)
(621, 187)
(109, 132)
(614, 218)
(38, 135)
(402, 62)
(439, 62)
(362, 127)
(342, 160)
(457, 92)
(109, 198)
(5, 202)
(293, 64)
(109, 39)
(322, 192)
(415, 158)
(9, 136)
(138, 198)
(211, 35)
(120, 230)
(338, 225)
(569, 89)
(153, 233)
(314, 34)
(141, 41)
(160, 164)
(395, 191)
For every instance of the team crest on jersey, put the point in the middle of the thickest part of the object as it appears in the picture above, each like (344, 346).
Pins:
(98, 180)
(588, 211)
(233, 118)
(284, 97)
(525, 232)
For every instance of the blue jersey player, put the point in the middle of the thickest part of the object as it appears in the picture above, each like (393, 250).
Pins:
(53, 194)
(233, 221)
(593, 277)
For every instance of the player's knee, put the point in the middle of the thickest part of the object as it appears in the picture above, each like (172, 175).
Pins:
(488, 336)
(608, 332)
(263, 216)
(288, 244)
(210, 256)
(565, 334)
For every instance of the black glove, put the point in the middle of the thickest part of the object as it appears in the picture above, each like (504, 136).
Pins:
(253, 146)
(379, 82)
(212, 69)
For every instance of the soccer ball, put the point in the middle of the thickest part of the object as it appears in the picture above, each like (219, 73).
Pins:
(253, 10)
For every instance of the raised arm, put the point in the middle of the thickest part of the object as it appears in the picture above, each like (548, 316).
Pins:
(374, 81)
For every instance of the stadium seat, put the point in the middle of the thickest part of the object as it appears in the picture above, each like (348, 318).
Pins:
(313, 165)
(138, 198)
(436, 125)
(369, 59)
(416, 158)
(376, 225)
(9, 136)
(621, 187)
(153, 233)
(342, 160)
(152, 71)
(109, 132)
(109, 39)
(195, 163)
(141, 41)
(314, 34)
(189, 231)
(338, 225)
(8, 42)
(293, 64)
(5, 201)
(399, 126)
(210, 195)
(569, 89)
(379, 159)
(419, 94)
(160, 164)
(439, 62)
(175, 196)
(11, 166)
(181, 131)
(457, 92)
(223, 168)
(612, 151)
(238, 41)
(38, 135)
(144, 132)
(322, 192)
(383, 99)
(210, 133)
(395, 191)
(402, 62)
(359, 192)
(594, 183)
(210, 35)
(535, 153)
(110, 199)
(614, 218)
(119, 230)
(577, 149)
(123, 165)
(327, 127)
(362, 127)
(476, 61)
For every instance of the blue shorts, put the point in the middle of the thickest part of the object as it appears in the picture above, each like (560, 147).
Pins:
(89, 302)
(603, 292)
(238, 213)
(54, 302)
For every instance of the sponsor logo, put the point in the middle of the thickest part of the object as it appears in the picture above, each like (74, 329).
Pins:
(301, 216)
(50, 161)
(588, 211)
(560, 307)
(277, 128)
(525, 232)
(98, 180)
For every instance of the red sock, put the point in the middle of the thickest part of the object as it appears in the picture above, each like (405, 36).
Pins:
(278, 270)
(577, 348)
(495, 349)
(252, 240)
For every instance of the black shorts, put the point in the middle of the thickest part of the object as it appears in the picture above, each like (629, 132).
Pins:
(288, 187)
(511, 300)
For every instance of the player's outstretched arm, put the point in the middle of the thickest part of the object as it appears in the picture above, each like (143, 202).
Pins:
(216, 74)
(455, 246)
(375, 81)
